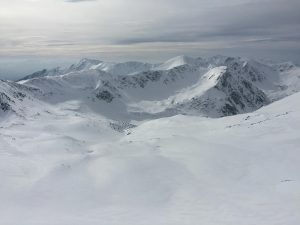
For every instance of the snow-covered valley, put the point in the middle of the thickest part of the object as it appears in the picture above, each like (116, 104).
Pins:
(189, 141)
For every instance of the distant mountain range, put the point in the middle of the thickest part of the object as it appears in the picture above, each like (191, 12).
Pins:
(211, 87)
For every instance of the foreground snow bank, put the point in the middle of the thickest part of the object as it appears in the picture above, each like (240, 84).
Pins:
(69, 168)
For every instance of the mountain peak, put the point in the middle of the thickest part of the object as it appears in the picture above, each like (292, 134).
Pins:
(177, 61)
(84, 64)
(88, 60)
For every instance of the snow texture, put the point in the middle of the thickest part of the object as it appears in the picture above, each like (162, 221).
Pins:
(188, 141)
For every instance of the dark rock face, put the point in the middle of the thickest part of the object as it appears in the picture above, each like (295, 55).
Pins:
(107, 92)
(12, 95)
(4, 106)
(231, 95)
(229, 110)
(254, 75)
(4, 102)
(19, 95)
(237, 99)
(241, 94)
(121, 126)
(105, 96)
(141, 80)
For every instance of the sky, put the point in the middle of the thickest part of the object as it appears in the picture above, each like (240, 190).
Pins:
(37, 34)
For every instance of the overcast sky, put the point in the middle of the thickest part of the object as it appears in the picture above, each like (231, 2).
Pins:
(42, 33)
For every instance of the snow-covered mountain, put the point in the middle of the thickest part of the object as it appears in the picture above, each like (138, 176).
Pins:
(69, 156)
(18, 99)
(213, 140)
(220, 92)
(214, 87)
(85, 64)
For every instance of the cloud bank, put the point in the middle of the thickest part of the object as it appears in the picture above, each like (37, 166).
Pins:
(79, 0)
(143, 29)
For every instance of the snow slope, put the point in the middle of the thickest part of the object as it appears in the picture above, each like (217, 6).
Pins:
(141, 144)
(18, 100)
(67, 167)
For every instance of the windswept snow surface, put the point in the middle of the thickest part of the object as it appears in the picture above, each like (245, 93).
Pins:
(68, 157)
(64, 167)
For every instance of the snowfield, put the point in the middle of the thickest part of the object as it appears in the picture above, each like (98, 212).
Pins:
(68, 158)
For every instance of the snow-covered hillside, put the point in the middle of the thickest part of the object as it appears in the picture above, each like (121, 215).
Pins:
(72, 168)
(188, 141)
(18, 100)
(214, 87)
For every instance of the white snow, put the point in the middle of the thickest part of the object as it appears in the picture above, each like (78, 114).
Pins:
(74, 160)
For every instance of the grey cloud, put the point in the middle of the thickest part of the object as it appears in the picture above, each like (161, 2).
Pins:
(255, 19)
(121, 28)
(75, 1)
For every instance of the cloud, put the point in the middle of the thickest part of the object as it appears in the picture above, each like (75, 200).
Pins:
(238, 20)
(138, 26)
(75, 1)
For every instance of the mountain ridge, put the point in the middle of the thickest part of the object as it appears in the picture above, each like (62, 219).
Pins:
(215, 87)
